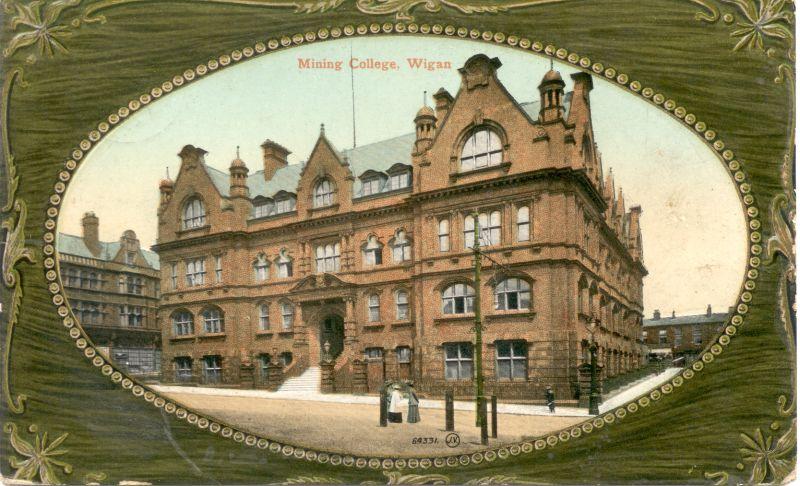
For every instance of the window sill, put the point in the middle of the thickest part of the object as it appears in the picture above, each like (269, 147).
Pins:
(212, 335)
(511, 314)
(271, 217)
(265, 333)
(402, 324)
(372, 325)
(456, 317)
(504, 167)
(199, 229)
(288, 332)
(186, 337)
(323, 208)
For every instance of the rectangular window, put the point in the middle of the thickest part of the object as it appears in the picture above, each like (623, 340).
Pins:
(489, 225)
(403, 354)
(285, 269)
(458, 361)
(123, 315)
(374, 308)
(401, 299)
(399, 181)
(444, 235)
(677, 335)
(174, 276)
(212, 369)
(373, 353)
(523, 224)
(284, 205)
(512, 360)
(327, 257)
(218, 268)
(697, 335)
(373, 256)
(130, 258)
(195, 272)
(662, 336)
(263, 317)
(370, 186)
(287, 315)
(644, 336)
(183, 368)
(401, 252)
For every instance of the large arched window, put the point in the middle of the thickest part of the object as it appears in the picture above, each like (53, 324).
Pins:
(458, 299)
(183, 323)
(194, 214)
(213, 320)
(482, 149)
(327, 257)
(323, 193)
(512, 294)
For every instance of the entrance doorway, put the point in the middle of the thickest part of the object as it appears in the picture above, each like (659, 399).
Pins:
(333, 333)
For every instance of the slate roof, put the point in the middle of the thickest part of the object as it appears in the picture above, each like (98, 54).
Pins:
(686, 320)
(74, 245)
(378, 156)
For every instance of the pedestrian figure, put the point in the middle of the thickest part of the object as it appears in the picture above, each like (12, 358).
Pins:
(550, 397)
(395, 415)
(413, 405)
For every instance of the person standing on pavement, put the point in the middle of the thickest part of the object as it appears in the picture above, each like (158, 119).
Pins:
(413, 405)
(550, 398)
(395, 415)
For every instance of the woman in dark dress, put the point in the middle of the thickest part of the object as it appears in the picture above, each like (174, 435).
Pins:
(413, 405)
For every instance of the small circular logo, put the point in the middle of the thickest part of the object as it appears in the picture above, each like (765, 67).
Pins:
(452, 440)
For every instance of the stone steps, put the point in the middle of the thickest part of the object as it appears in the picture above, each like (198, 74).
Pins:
(307, 382)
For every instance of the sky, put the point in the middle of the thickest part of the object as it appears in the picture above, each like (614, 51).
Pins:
(692, 223)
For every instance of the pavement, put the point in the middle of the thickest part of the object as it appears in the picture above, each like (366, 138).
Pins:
(502, 408)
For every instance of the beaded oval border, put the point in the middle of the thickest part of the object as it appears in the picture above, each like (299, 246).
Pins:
(658, 99)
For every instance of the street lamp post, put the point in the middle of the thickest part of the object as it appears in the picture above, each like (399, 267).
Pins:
(480, 418)
(594, 395)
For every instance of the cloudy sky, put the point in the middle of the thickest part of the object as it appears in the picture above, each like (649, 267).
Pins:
(692, 223)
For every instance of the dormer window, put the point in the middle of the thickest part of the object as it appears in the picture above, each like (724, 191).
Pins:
(371, 184)
(194, 214)
(263, 207)
(284, 203)
(323, 194)
(482, 149)
(399, 179)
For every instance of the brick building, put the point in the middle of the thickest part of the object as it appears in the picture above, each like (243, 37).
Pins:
(366, 252)
(682, 335)
(113, 289)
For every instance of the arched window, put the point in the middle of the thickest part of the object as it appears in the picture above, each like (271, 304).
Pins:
(401, 247)
(263, 317)
(287, 315)
(374, 308)
(194, 214)
(523, 223)
(213, 320)
(261, 268)
(489, 224)
(183, 323)
(373, 252)
(284, 262)
(444, 234)
(323, 193)
(512, 294)
(482, 149)
(401, 303)
(327, 257)
(457, 299)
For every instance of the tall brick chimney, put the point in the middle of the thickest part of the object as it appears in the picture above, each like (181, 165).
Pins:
(274, 158)
(91, 232)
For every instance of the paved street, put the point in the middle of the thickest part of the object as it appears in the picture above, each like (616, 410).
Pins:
(353, 428)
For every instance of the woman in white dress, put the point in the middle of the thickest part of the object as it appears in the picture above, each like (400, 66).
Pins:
(395, 414)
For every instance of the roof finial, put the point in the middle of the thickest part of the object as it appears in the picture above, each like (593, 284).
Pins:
(167, 172)
(425, 98)
(322, 129)
(237, 151)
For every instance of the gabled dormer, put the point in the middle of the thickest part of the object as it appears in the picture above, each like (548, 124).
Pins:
(326, 182)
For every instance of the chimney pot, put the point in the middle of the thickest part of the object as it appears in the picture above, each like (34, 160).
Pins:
(708, 310)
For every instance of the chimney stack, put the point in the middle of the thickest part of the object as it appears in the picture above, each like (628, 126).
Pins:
(656, 314)
(673, 313)
(91, 232)
(274, 158)
(708, 310)
(444, 101)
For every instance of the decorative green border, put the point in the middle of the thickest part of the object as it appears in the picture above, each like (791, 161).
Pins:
(658, 99)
